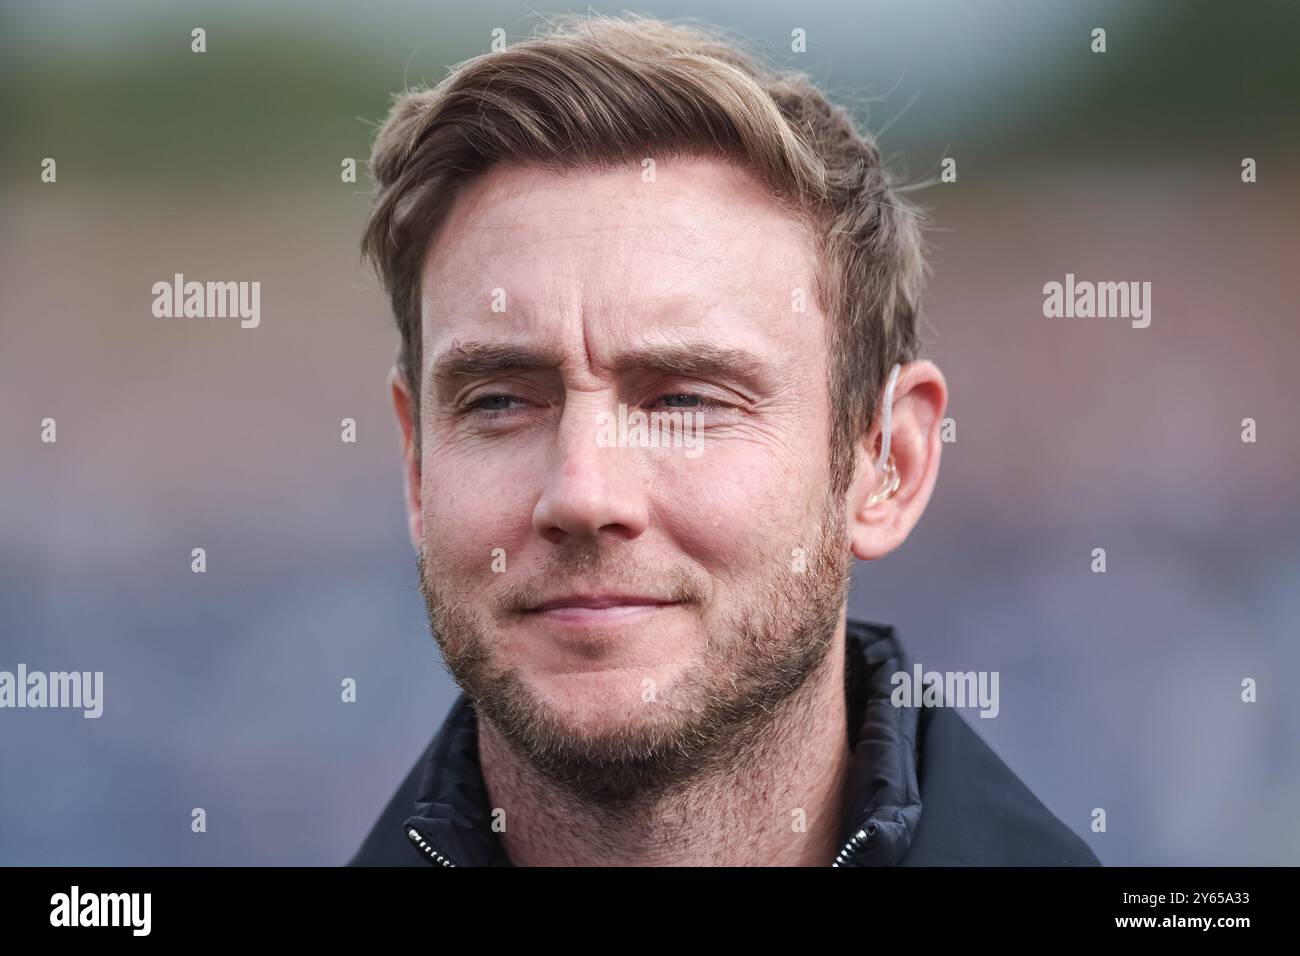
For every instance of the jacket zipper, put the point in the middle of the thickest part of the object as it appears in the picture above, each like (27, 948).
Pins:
(841, 859)
(855, 843)
(424, 847)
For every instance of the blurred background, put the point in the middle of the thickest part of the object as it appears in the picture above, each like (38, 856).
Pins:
(222, 690)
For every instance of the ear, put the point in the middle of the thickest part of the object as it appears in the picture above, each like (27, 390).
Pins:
(920, 400)
(403, 405)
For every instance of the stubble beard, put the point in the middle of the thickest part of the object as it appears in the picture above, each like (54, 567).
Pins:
(756, 662)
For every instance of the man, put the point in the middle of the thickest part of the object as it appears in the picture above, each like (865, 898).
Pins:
(650, 295)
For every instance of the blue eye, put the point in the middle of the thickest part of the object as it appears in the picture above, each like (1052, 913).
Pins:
(492, 406)
(480, 403)
(687, 400)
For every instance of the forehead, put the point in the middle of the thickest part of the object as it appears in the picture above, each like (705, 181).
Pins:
(699, 243)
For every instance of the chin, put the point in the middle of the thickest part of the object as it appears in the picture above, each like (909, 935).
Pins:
(598, 703)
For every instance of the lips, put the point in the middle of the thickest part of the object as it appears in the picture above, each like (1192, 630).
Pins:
(598, 602)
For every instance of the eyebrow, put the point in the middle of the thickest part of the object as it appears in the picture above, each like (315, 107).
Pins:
(473, 359)
(466, 360)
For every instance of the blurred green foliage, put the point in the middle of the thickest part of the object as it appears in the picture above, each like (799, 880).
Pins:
(282, 86)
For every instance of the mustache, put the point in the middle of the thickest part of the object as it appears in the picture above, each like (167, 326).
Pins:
(575, 571)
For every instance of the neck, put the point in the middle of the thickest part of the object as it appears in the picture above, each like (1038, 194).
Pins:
(777, 800)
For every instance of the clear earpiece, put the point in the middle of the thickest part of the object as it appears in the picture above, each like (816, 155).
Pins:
(888, 484)
(885, 464)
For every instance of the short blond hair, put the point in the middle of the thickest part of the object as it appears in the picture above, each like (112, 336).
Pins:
(599, 91)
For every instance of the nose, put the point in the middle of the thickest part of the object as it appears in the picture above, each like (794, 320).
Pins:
(591, 488)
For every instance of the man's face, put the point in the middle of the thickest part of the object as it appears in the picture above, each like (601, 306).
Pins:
(612, 607)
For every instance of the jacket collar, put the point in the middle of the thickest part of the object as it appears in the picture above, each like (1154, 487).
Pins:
(452, 820)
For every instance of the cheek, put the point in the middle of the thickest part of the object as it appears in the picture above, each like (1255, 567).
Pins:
(737, 506)
(458, 534)
(470, 512)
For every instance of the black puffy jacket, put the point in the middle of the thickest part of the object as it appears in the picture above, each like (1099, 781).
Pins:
(923, 789)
